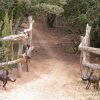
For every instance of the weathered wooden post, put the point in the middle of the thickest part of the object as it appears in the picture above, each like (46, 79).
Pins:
(86, 49)
(29, 41)
(19, 69)
(6, 57)
(11, 26)
(85, 55)
(30, 21)
(12, 49)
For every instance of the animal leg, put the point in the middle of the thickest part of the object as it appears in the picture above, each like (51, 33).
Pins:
(4, 84)
(97, 85)
(88, 85)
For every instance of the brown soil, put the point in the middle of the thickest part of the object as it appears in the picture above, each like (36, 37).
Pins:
(54, 71)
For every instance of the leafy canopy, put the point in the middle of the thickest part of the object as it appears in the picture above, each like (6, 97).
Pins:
(48, 6)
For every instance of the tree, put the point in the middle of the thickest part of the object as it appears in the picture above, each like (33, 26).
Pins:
(49, 8)
(20, 8)
(81, 12)
(5, 5)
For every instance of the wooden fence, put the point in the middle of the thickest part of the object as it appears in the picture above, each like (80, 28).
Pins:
(85, 53)
(22, 38)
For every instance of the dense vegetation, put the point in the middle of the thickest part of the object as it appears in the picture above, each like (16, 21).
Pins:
(80, 12)
(77, 12)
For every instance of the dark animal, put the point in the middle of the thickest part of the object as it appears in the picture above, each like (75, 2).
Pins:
(92, 79)
(5, 77)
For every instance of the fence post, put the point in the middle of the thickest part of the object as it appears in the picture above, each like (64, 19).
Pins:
(19, 65)
(85, 56)
(30, 32)
(30, 37)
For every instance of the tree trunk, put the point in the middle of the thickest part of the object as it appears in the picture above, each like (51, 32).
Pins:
(50, 20)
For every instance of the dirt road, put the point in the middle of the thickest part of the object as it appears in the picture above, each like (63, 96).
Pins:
(54, 73)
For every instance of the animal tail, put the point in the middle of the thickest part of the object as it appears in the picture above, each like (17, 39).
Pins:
(12, 80)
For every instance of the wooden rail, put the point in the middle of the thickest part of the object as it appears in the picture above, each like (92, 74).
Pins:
(21, 38)
(85, 53)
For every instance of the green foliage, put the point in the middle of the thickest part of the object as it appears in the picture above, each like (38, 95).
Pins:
(76, 9)
(52, 2)
(47, 8)
(81, 12)
(5, 5)
(6, 32)
(21, 8)
(77, 12)
(2, 57)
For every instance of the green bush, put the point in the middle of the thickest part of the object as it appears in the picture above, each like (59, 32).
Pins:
(81, 12)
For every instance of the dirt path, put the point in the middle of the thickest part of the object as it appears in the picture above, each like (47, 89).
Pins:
(54, 74)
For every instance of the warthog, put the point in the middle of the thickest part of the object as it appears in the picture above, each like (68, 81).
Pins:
(5, 77)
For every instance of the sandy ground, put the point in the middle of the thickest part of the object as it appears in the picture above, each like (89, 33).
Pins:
(54, 73)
